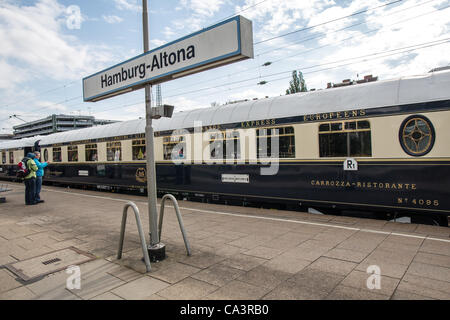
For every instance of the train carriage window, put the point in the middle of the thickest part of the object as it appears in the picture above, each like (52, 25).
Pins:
(174, 147)
(336, 126)
(216, 146)
(324, 127)
(46, 155)
(72, 153)
(289, 130)
(57, 155)
(114, 151)
(11, 157)
(345, 139)
(417, 135)
(350, 125)
(91, 152)
(363, 125)
(3, 157)
(225, 145)
(138, 149)
(232, 145)
(286, 141)
(360, 144)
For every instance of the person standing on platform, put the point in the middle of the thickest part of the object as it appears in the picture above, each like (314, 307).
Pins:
(39, 175)
(30, 181)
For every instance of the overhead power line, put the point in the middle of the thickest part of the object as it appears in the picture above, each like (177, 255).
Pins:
(364, 57)
(240, 11)
(56, 103)
(245, 9)
(365, 34)
(39, 94)
(355, 25)
(295, 31)
(326, 22)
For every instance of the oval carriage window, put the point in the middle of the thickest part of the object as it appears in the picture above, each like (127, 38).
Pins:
(46, 155)
(417, 135)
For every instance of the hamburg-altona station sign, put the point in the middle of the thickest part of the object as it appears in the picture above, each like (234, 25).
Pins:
(215, 46)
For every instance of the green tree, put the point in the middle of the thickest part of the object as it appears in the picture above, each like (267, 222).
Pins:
(297, 84)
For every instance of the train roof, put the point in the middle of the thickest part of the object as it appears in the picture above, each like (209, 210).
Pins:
(432, 86)
(19, 143)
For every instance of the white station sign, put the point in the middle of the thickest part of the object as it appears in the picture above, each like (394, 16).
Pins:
(218, 45)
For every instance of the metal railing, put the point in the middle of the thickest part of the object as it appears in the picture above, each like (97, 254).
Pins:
(4, 188)
(180, 220)
(141, 233)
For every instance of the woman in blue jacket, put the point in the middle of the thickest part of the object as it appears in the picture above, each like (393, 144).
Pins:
(39, 175)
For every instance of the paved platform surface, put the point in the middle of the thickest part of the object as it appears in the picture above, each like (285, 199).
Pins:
(237, 252)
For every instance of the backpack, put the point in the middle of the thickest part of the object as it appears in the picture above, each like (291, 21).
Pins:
(23, 169)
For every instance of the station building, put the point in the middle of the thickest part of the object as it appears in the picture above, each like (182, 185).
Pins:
(5, 137)
(56, 123)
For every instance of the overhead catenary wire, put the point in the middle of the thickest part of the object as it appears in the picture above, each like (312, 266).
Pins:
(358, 24)
(319, 70)
(228, 75)
(39, 94)
(409, 48)
(364, 58)
(240, 11)
(266, 40)
(70, 83)
(326, 22)
(365, 34)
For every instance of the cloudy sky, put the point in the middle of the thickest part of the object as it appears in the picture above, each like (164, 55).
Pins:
(48, 46)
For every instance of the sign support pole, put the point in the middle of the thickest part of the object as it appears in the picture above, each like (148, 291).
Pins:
(156, 249)
(224, 43)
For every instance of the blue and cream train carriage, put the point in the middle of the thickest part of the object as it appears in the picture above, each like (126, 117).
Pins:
(395, 132)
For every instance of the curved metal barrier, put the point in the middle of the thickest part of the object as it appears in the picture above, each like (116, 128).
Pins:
(180, 220)
(3, 188)
(141, 233)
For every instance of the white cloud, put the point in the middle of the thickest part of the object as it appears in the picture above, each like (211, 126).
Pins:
(137, 109)
(190, 24)
(271, 18)
(275, 17)
(112, 19)
(250, 94)
(168, 32)
(131, 5)
(183, 104)
(202, 7)
(34, 44)
(48, 106)
(393, 35)
(200, 12)
(37, 51)
(36, 41)
(157, 42)
(12, 75)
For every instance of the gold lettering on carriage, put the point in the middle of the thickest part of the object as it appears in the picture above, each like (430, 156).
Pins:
(335, 115)
(364, 185)
(212, 127)
(258, 123)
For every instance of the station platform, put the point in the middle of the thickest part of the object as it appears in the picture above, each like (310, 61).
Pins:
(237, 252)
